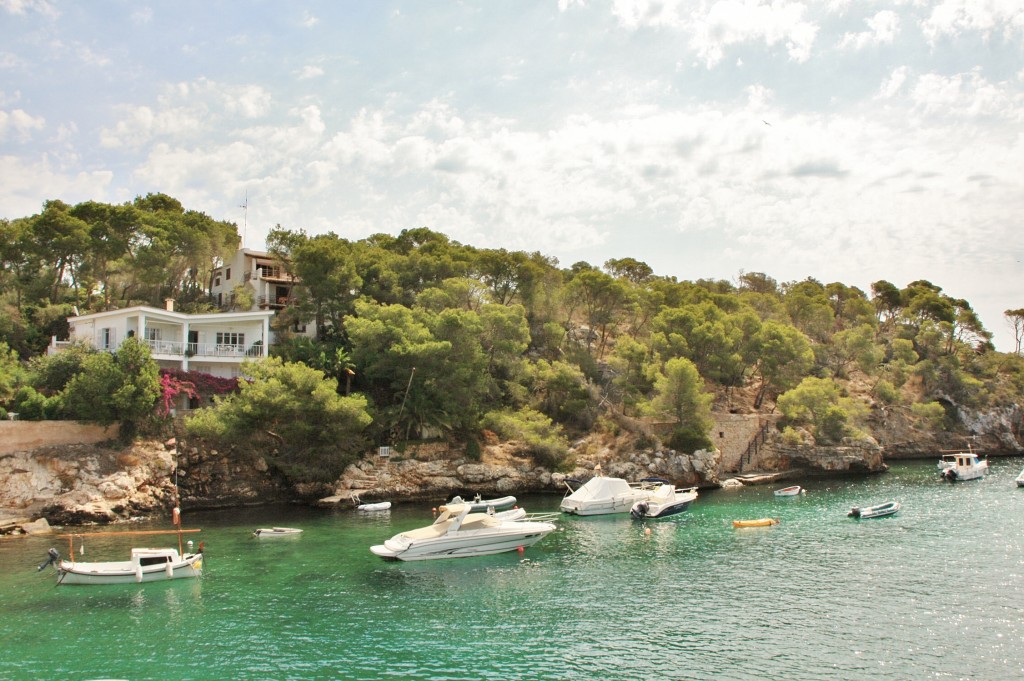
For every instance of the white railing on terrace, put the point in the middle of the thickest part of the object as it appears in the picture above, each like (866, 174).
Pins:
(181, 349)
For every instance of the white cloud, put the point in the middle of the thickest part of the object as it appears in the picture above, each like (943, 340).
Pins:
(310, 71)
(19, 125)
(987, 17)
(894, 83)
(23, 7)
(308, 20)
(19, 192)
(884, 27)
(967, 95)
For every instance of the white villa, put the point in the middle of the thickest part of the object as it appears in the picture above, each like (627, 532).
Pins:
(214, 344)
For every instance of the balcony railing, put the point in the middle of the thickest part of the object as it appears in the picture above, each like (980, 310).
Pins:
(179, 349)
(274, 302)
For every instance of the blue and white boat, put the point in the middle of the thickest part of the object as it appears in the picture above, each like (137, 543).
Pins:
(666, 501)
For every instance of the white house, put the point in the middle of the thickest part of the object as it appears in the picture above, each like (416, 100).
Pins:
(214, 344)
(270, 285)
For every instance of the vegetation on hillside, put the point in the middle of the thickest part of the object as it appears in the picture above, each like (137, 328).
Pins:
(419, 336)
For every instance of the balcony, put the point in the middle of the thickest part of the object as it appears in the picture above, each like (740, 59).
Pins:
(204, 350)
(274, 303)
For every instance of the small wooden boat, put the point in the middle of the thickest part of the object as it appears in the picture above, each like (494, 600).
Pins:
(378, 506)
(144, 565)
(265, 532)
(789, 491)
(760, 522)
(876, 511)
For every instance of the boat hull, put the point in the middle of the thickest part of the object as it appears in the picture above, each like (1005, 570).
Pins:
(266, 533)
(460, 547)
(879, 511)
(124, 573)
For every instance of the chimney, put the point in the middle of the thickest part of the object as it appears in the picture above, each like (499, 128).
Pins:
(169, 304)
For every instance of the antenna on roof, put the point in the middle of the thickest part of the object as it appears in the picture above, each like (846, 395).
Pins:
(245, 216)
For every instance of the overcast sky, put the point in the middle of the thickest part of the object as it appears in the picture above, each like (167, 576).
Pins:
(844, 140)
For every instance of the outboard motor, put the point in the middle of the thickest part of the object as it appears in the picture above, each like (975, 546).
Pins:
(53, 559)
(640, 510)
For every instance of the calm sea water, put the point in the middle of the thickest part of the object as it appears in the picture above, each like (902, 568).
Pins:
(933, 593)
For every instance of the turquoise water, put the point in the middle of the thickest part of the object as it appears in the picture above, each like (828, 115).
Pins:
(932, 593)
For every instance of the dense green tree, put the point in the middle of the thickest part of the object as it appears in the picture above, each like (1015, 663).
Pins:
(679, 391)
(293, 415)
(120, 387)
(784, 357)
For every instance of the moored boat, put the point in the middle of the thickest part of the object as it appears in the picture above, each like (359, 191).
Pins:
(144, 565)
(479, 504)
(759, 522)
(966, 466)
(460, 533)
(789, 491)
(601, 495)
(266, 532)
(376, 506)
(665, 502)
(1020, 479)
(876, 511)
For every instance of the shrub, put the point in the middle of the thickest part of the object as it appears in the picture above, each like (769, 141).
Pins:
(689, 440)
(931, 414)
(542, 439)
(791, 437)
(29, 404)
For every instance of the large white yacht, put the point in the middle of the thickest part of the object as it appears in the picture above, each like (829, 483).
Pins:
(459, 533)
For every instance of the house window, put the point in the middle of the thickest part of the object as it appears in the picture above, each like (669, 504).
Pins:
(106, 339)
(230, 338)
(216, 280)
(227, 274)
(152, 334)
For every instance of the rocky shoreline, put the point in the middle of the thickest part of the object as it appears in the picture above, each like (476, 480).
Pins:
(80, 484)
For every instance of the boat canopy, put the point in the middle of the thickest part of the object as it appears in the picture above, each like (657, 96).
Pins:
(601, 488)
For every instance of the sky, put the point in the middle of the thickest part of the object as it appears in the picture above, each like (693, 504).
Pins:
(850, 141)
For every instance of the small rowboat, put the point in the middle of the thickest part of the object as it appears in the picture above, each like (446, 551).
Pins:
(789, 491)
(760, 522)
(877, 511)
(276, 532)
(378, 506)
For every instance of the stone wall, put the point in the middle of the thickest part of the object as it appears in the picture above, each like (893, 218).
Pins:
(20, 436)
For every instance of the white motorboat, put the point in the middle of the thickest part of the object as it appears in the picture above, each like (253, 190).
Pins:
(479, 504)
(267, 532)
(793, 491)
(601, 495)
(966, 466)
(666, 501)
(946, 462)
(460, 533)
(1020, 479)
(876, 511)
(377, 506)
